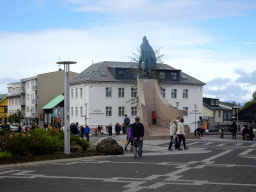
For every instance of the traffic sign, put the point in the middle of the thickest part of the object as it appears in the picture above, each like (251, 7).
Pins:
(58, 120)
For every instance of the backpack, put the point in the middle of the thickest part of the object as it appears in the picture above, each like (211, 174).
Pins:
(127, 121)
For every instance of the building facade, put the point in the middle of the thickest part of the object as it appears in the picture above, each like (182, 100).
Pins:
(211, 108)
(104, 92)
(3, 107)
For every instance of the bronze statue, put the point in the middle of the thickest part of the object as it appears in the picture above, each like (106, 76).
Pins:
(148, 57)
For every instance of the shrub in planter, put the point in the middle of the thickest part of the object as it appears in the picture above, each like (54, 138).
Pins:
(75, 140)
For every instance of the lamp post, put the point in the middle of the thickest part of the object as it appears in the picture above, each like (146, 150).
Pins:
(66, 106)
(177, 104)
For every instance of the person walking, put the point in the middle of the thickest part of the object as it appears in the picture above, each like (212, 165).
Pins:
(154, 117)
(87, 132)
(123, 128)
(251, 133)
(138, 134)
(233, 130)
(117, 129)
(82, 132)
(181, 133)
(199, 128)
(129, 138)
(126, 123)
(110, 130)
(173, 134)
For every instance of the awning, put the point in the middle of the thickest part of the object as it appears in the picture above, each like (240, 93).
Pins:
(54, 102)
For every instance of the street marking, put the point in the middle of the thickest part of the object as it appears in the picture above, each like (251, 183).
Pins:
(254, 145)
(192, 143)
(222, 144)
(239, 144)
(209, 143)
(5, 172)
(246, 152)
(216, 156)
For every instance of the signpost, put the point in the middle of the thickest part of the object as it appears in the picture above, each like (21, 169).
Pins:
(195, 112)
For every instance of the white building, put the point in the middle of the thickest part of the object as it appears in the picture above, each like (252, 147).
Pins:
(101, 93)
(13, 94)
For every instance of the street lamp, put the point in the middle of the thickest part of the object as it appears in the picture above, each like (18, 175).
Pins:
(66, 106)
(177, 104)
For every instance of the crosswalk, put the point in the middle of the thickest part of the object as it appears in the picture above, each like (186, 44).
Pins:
(218, 144)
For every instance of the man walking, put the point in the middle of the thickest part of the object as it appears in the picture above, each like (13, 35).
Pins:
(87, 132)
(126, 123)
(138, 134)
(233, 130)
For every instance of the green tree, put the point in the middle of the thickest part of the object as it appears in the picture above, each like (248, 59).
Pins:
(254, 96)
(15, 117)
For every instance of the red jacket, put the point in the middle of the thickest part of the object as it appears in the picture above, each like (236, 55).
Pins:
(153, 116)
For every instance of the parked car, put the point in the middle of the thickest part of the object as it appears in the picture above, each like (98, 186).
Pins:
(14, 128)
(2, 127)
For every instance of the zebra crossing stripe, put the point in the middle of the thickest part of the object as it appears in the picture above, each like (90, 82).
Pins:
(222, 144)
(246, 152)
(192, 143)
(209, 143)
(238, 144)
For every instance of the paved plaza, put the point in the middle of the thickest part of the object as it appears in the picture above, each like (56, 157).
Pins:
(210, 164)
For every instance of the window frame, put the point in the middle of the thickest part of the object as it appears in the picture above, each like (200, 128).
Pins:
(120, 92)
(121, 111)
(185, 94)
(134, 110)
(174, 93)
(134, 92)
(108, 111)
(163, 92)
(185, 109)
(108, 91)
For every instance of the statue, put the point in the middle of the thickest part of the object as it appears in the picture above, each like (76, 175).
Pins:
(148, 57)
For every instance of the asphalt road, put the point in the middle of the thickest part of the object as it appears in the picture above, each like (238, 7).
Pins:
(210, 164)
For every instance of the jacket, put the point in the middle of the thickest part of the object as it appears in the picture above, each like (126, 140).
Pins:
(130, 133)
(137, 130)
(180, 130)
(172, 129)
(87, 129)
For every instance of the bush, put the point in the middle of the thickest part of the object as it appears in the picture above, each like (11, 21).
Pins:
(75, 140)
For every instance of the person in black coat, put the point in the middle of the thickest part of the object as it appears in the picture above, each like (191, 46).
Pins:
(251, 133)
(138, 134)
(117, 129)
(233, 130)
(110, 130)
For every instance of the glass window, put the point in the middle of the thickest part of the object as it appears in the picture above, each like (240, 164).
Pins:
(216, 102)
(219, 113)
(27, 108)
(163, 92)
(225, 116)
(134, 111)
(108, 91)
(108, 111)
(76, 111)
(72, 111)
(121, 111)
(120, 92)
(76, 93)
(134, 92)
(185, 113)
(28, 84)
(174, 93)
(162, 75)
(214, 113)
(185, 93)
(212, 102)
(72, 94)
(81, 111)
(81, 93)
(174, 75)
(27, 96)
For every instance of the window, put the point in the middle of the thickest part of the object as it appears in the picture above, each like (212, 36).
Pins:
(162, 75)
(76, 111)
(72, 94)
(134, 92)
(229, 115)
(108, 111)
(5, 109)
(81, 93)
(32, 109)
(120, 92)
(121, 111)
(28, 84)
(219, 113)
(102, 73)
(174, 93)
(185, 113)
(185, 93)
(108, 91)
(27, 108)
(213, 113)
(225, 116)
(81, 111)
(174, 75)
(121, 74)
(134, 111)
(163, 92)
(27, 96)
(212, 102)
(76, 93)
(72, 112)
(216, 102)
(183, 77)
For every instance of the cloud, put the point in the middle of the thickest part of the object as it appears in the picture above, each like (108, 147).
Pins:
(8, 80)
(248, 78)
(176, 9)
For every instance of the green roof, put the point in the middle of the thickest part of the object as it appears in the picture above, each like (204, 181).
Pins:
(2, 96)
(54, 102)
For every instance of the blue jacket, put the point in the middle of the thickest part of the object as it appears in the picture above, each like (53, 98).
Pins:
(87, 129)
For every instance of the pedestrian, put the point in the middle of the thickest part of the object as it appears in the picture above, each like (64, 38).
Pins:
(199, 128)
(79, 131)
(251, 133)
(33, 126)
(245, 131)
(123, 128)
(233, 130)
(82, 131)
(110, 130)
(181, 133)
(173, 135)
(129, 138)
(154, 117)
(26, 128)
(87, 132)
(138, 134)
(99, 128)
(117, 129)
(126, 123)
(178, 120)
(222, 132)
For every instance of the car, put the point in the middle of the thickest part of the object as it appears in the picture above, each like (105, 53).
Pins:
(14, 128)
(2, 127)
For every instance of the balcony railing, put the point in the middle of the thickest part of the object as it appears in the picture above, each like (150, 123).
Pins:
(22, 90)
(34, 101)
(34, 88)
(22, 102)
(34, 115)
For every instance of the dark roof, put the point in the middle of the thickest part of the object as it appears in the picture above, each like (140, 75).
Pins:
(213, 107)
(93, 73)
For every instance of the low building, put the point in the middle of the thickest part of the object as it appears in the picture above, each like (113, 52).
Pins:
(104, 92)
(3, 108)
(211, 108)
(227, 111)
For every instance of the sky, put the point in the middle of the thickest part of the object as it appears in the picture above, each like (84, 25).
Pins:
(212, 40)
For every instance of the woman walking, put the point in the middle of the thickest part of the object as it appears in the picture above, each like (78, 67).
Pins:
(172, 133)
(129, 138)
(199, 128)
(181, 133)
